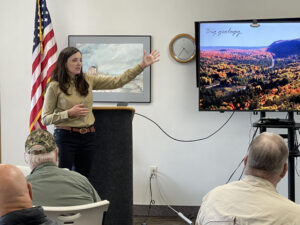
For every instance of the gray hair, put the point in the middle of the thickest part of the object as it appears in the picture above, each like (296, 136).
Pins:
(35, 160)
(267, 152)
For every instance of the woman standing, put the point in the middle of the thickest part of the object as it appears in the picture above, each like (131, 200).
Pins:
(68, 105)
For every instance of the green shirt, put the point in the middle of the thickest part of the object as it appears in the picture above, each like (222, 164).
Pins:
(57, 103)
(53, 186)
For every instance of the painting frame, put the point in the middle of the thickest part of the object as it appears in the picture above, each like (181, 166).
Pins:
(140, 92)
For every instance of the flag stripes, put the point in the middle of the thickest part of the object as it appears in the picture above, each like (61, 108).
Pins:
(43, 61)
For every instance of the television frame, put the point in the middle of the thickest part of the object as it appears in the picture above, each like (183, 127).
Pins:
(255, 23)
(116, 41)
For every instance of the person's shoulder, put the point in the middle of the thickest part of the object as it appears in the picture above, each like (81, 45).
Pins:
(292, 206)
(73, 174)
(90, 77)
(53, 84)
(289, 208)
(87, 76)
(79, 179)
(224, 188)
(97, 76)
(227, 186)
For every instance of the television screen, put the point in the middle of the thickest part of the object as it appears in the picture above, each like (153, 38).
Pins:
(248, 66)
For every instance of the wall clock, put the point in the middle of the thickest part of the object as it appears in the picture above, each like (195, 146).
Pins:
(182, 48)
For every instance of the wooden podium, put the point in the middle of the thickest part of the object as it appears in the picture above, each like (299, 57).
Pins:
(111, 172)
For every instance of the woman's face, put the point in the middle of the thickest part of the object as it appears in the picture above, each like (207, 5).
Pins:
(73, 64)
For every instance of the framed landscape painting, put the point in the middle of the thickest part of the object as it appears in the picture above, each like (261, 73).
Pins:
(111, 55)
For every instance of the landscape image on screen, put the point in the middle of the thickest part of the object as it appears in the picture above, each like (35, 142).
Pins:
(249, 68)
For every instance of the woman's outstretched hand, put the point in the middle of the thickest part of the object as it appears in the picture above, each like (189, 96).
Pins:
(149, 59)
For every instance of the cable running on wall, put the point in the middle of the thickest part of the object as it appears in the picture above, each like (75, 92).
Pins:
(180, 140)
(240, 163)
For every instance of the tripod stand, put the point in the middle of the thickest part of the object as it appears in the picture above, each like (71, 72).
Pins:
(291, 127)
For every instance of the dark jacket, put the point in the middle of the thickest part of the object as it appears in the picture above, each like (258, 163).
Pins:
(32, 216)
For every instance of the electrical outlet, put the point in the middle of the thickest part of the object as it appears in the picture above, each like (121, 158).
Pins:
(153, 171)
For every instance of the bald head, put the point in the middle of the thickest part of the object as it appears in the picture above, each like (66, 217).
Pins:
(268, 153)
(15, 192)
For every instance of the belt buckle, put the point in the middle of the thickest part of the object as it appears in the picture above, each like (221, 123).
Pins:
(83, 130)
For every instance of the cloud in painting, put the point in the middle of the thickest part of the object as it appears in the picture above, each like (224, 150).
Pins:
(112, 59)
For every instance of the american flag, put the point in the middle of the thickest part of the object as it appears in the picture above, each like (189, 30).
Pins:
(43, 61)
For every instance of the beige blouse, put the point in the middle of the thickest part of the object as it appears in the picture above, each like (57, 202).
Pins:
(56, 103)
(252, 200)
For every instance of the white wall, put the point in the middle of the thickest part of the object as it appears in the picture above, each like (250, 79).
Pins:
(186, 170)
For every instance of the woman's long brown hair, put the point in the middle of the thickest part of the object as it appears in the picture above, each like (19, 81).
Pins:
(61, 76)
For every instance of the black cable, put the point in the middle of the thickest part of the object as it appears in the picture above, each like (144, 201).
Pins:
(251, 127)
(175, 139)
(242, 161)
(152, 201)
(234, 171)
(242, 172)
(297, 146)
(254, 134)
(296, 167)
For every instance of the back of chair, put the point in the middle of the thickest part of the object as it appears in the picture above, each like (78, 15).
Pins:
(88, 214)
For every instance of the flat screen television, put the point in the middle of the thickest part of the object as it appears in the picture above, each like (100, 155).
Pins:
(248, 65)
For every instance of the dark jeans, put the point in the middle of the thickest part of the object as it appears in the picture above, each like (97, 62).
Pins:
(76, 151)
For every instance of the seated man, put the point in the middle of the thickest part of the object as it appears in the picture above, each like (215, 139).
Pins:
(16, 200)
(53, 186)
(254, 199)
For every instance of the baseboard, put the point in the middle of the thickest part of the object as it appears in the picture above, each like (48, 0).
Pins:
(163, 210)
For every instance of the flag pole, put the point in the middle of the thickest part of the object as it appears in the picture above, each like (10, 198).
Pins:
(40, 26)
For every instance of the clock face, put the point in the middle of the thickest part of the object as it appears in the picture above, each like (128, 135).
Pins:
(184, 48)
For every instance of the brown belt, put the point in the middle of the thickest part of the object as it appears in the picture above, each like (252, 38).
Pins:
(81, 130)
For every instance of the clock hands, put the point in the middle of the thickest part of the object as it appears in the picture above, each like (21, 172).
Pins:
(183, 49)
(186, 51)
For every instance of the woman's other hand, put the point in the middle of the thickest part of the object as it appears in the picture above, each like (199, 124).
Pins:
(149, 59)
(78, 110)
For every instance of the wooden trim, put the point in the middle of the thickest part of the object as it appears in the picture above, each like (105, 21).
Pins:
(114, 108)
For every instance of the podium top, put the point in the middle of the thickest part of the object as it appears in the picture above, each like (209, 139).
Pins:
(114, 108)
